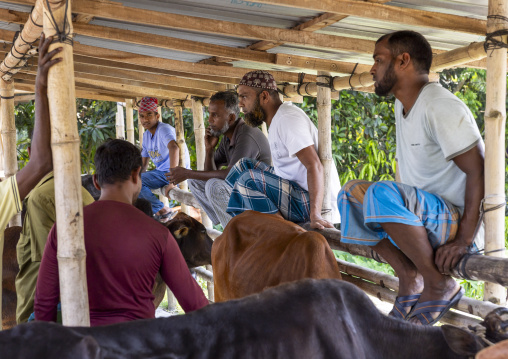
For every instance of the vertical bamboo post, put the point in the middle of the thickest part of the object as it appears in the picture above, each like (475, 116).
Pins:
(180, 140)
(495, 119)
(2, 173)
(264, 129)
(129, 117)
(8, 132)
(66, 162)
(324, 107)
(141, 130)
(9, 136)
(120, 122)
(199, 135)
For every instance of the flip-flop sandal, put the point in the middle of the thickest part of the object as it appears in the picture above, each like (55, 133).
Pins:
(400, 305)
(422, 311)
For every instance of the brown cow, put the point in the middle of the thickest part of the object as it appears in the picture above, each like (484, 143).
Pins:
(190, 235)
(258, 250)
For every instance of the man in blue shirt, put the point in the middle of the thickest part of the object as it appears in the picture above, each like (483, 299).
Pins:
(159, 145)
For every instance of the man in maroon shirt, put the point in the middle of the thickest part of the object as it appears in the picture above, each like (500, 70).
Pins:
(125, 249)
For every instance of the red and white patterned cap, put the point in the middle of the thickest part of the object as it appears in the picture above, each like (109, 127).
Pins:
(259, 79)
(148, 104)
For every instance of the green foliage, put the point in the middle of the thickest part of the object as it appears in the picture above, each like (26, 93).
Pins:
(96, 123)
(363, 135)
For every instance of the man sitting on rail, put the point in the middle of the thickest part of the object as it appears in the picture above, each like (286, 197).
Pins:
(440, 159)
(159, 145)
(125, 249)
(238, 141)
(14, 189)
(293, 187)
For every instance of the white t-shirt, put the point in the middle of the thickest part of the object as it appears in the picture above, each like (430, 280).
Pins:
(291, 130)
(438, 128)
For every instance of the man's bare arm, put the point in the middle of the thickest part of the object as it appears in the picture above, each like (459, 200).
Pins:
(144, 164)
(309, 158)
(472, 164)
(41, 161)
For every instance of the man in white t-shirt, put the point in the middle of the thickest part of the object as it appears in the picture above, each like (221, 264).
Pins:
(293, 187)
(432, 215)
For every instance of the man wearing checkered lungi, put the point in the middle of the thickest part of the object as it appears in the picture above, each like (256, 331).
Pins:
(293, 187)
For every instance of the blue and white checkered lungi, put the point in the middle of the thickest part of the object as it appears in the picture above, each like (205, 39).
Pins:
(364, 206)
(257, 188)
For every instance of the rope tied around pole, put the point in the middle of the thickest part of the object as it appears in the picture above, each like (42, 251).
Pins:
(283, 92)
(64, 35)
(461, 268)
(490, 42)
(301, 76)
(328, 83)
(352, 73)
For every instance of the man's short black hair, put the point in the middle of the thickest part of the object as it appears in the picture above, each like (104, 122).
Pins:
(414, 44)
(115, 160)
(230, 99)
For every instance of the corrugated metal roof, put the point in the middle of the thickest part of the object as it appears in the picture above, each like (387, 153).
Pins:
(253, 13)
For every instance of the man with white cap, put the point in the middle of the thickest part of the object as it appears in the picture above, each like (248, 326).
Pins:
(159, 145)
(294, 185)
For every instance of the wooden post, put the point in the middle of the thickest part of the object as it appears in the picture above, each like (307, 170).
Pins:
(120, 122)
(141, 130)
(9, 137)
(129, 116)
(66, 163)
(264, 129)
(495, 119)
(324, 107)
(180, 140)
(199, 135)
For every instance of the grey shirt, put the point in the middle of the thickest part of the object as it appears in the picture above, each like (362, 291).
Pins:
(246, 142)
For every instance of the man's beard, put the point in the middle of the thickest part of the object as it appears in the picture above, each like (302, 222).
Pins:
(384, 86)
(221, 131)
(257, 116)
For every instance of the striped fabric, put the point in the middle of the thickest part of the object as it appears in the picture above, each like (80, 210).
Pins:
(364, 206)
(257, 188)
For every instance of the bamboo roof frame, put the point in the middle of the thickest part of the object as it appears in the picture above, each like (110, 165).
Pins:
(118, 73)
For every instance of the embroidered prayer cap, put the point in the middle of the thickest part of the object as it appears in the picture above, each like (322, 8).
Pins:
(148, 104)
(259, 79)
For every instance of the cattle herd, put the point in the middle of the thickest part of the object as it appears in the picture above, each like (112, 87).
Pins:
(267, 308)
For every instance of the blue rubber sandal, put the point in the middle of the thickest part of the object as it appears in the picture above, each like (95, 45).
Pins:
(423, 310)
(400, 305)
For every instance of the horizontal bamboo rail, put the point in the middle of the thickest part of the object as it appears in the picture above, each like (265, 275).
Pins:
(476, 267)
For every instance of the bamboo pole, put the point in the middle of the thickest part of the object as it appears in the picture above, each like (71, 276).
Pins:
(8, 128)
(199, 135)
(120, 122)
(495, 120)
(66, 161)
(141, 131)
(476, 267)
(180, 140)
(324, 108)
(22, 49)
(264, 129)
(468, 305)
(129, 114)
(9, 137)
(386, 295)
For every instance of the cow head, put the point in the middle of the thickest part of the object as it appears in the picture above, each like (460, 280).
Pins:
(194, 242)
(493, 329)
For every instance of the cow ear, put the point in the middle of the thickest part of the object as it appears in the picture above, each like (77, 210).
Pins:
(181, 232)
(461, 341)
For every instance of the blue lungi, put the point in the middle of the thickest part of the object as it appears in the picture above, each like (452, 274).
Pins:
(256, 187)
(364, 206)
